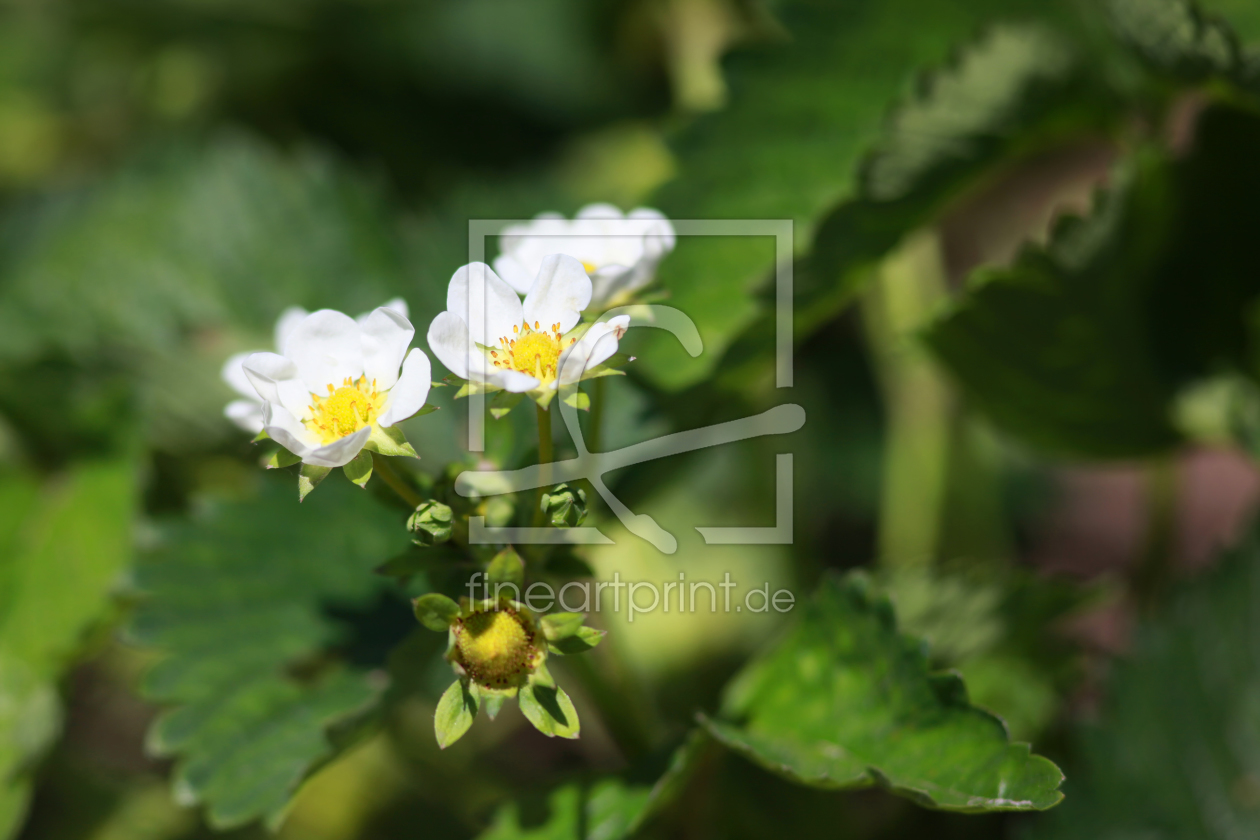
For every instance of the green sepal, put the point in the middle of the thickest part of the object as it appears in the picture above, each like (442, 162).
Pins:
(279, 459)
(550, 711)
(431, 524)
(578, 399)
(309, 478)
(435, 611)
(557, 626)
(503, 403)
(359, 471)
(492, 699)
(506, 568)
(261, 436)
(541, 676)
(580, 642)
(391, 442)
(455, 713)
(609, 367)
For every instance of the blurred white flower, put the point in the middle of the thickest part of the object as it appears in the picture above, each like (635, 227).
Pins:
(248, 412)
(338, 384)
(536, 346)
(619, 251)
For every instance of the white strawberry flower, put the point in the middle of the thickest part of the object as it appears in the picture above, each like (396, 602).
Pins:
(247, 412)
(488, 334)
(341, 385)
(620, 251)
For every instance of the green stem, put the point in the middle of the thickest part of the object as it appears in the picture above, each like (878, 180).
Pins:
(595, 436)
(546, 454)
(395, 481)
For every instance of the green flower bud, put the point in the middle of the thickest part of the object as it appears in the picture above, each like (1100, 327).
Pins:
(431, 523)
(565, 506)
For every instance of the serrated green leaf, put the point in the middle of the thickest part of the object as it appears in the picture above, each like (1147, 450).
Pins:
(581, 641)
(233, 599)
(1166, 756)
(63, 546)
(359, 471)
(436, 611)
(506, 568)
(455, 714)
(550, 711)
(391, 442)
(1177, 38)
(607, 810)
(1081, 348)
(309, 477)
(802, 112)
(846, 701)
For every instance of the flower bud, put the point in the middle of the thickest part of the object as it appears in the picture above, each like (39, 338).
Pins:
(430, 524)
(565, 506)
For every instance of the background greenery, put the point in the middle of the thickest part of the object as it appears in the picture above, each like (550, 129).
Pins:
(1026, 343)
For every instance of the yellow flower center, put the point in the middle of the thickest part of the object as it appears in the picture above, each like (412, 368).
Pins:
(495, 648)
(535, 351)
(353, 406)
(591, 268)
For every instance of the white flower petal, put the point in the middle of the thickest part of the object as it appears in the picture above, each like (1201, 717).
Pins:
(449, 341)
(600, 211)
(514, 273)
(233, 374)
(486, 304)
(559, 294)
(245, 413)
(512, 380)
(595, 347)
(412, 389)
(386, 335)
(275, 378)
(327, 349)
(286, 324)
(339, 452)
(286, 430)
(398, 305)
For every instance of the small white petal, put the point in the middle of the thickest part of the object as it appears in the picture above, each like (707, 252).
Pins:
(559, 294)
(245, 413)
(340, 452)
(233, 374)
(412, 389)
(514, 273)
(512, 380)
(486, 304)
(449, 341)
(286, 324)
(386, 336)
(600, 211)
(595, 347)
(286, 430)
(327, 349)
(275, 378)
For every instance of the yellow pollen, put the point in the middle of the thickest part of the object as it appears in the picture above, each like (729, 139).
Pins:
(535, 352)
(495, 648)
(345, 410)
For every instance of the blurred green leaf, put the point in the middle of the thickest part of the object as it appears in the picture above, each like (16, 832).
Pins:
(1080, 348)
(63, 546)
(846, 701)
(236, 601)
(802, 112)
(606, 810)
(1178, 39)
(1174, 752)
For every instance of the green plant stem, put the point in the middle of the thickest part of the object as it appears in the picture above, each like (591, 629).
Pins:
(595, 437)
(395, 481)
(546, 454)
